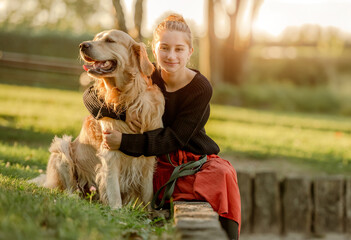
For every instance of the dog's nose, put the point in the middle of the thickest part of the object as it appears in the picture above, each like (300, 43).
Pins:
(84, 45)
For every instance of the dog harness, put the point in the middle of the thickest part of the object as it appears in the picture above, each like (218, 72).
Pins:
(182, 170)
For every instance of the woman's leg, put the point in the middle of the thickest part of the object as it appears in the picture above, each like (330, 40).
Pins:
(230, 227)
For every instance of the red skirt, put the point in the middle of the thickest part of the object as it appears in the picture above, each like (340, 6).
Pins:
(216, 183)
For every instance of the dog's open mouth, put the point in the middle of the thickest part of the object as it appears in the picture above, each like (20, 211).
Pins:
(99, 67)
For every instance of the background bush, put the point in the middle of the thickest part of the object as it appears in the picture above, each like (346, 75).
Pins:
(47, 43)
(283, 97)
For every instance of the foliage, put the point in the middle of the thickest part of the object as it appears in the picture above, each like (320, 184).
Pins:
(29, 119)
(228, 56)
(298, 71)
(47, 43)
(79, 16)
(65, 15)
(284, 97)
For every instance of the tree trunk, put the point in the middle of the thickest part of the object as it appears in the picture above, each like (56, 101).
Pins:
(232, 55)
(236, 47)
(214, 59)
(138, 18)
(121, 24)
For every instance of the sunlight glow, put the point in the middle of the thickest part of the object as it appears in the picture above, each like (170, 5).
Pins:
(275, 15)
(3, 7)
(246, 19)
(221, 21)
(278, 52)
(192, 11)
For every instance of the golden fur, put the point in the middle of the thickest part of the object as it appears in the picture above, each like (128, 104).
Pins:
(122, 70)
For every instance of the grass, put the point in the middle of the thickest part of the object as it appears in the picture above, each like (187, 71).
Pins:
(28, 212)
(29, 119)
(321, 141)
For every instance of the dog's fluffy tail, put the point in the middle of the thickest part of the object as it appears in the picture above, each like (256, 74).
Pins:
(60, 169)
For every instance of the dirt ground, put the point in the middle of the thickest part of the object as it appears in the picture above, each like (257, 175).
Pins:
(294, 237)
(282, 167)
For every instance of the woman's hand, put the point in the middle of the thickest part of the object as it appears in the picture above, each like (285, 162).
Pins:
(111, 139)
(133, 122)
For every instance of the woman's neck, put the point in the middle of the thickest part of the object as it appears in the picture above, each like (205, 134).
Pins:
(177, 80)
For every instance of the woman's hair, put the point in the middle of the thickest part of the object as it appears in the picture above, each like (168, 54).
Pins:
(173, 22)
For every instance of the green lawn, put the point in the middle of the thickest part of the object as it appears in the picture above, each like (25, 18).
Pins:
(30, 117)
(320, 141)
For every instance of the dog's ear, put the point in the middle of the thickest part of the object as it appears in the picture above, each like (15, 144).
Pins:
(145, 66)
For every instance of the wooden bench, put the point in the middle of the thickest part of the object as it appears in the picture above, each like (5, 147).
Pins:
(197, 220)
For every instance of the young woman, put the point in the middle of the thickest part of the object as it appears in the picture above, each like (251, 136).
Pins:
(187, 94)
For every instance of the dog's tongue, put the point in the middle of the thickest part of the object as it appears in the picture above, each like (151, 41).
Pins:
(97, 65)
(87, 67)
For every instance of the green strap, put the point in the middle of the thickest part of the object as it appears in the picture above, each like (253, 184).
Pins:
(182, 170)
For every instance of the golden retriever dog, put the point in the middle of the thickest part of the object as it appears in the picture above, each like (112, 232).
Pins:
(122, 71)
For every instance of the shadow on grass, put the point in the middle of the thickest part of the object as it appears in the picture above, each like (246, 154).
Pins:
(28, 137)
(24, 147)
(32, 158)
(9, 118)
(18, 173)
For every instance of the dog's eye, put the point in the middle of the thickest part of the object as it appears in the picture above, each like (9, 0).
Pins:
(109, 40)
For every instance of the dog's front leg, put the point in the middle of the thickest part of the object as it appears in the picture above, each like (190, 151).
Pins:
(147, 183)
(108, 179)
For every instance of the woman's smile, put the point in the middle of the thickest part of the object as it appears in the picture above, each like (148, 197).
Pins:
(171, 63)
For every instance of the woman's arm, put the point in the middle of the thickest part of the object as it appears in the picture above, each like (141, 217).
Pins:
(97, 108)
(191, 118)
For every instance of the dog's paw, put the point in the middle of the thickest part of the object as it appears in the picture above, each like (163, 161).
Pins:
(39, 181)
(116, 206)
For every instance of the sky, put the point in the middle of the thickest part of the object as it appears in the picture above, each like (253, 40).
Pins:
(273, 18)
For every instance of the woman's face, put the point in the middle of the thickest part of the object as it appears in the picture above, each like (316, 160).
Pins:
(172, 51)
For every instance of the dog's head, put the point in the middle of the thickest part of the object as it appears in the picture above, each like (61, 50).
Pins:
(113, 53)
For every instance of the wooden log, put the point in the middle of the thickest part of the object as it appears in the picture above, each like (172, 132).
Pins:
(329, 205)
(245, 186)
(197, 220)
(267, 210)
(348, 206)
(297, 205)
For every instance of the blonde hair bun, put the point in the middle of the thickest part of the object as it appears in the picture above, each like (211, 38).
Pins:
(174, 22)
(174, 18)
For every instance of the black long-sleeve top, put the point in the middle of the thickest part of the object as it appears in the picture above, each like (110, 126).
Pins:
(186, 113)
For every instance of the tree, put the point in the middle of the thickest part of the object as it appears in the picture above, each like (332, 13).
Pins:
(228, 55)
(120, 18)
(213, 45)
(138, 18)
(79, 16)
